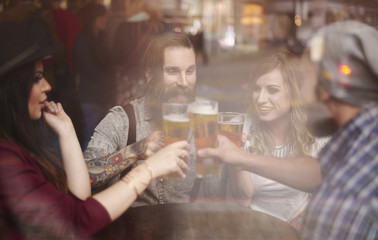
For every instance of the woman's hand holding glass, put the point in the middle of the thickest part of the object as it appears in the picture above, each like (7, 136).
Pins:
(226, 152)
(172, 159)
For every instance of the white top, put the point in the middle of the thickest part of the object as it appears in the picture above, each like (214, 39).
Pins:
(277, 199)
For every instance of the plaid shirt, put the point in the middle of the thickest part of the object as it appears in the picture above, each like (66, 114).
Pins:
(346, 204)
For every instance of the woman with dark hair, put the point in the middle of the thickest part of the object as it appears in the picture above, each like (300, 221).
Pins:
(278, 169)
(43, 197)
(94, 67)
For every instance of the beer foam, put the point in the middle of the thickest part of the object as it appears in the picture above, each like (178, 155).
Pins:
(176, 118)
(231, 122)
(204, 110)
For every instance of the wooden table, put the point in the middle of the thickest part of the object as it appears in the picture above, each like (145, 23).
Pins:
(196, 221)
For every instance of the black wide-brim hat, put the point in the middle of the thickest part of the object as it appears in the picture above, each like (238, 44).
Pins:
(17, 48)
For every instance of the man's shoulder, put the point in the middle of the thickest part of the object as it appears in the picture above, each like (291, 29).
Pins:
(117, 109)
(138, 106)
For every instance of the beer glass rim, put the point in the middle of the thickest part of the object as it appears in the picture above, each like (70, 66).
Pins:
(205, 100)
(231, 117)
(196, 104)
(231, 113)
(175, 103)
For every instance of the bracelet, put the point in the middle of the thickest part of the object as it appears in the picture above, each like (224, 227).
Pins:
(150, 173)
(131, 184)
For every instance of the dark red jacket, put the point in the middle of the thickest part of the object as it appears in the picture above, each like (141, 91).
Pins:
(32, 208)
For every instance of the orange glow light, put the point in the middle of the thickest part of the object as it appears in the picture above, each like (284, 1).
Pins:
(345, 69)
(252, 14)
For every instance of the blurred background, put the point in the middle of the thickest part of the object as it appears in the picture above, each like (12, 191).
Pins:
(230, 34)
(243, 26)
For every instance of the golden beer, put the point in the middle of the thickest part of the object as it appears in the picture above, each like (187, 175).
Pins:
(205, 126)
(230, 124)
(176, 128)
(176, 124)
(232, 131)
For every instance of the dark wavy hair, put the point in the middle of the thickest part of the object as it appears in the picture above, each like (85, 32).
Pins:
(17, 127)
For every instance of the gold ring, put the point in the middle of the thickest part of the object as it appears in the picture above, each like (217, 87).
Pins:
(182, 155)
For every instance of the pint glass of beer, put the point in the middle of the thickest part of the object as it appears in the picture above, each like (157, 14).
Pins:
(176, 122)
(204, 117)
(230, 124)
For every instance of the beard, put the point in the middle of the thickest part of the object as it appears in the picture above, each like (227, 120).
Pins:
(154, 100)
(179, 95)
(320, 122)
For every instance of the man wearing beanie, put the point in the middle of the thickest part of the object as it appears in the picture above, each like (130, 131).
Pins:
(345, 206)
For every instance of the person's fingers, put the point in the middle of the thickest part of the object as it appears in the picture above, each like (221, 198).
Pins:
(175, 157)
(60, 107)
(208, 152)
(53, 107)
(184, 155)
(183, 165)
(49, 106)
(181, 144)
(180, 171)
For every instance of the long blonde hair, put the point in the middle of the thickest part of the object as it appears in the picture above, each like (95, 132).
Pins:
(299, 139)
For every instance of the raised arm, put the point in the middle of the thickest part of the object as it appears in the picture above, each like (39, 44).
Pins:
(103, 166)
(72, 156)
(37, 204)
(171, 159)
(300, 173)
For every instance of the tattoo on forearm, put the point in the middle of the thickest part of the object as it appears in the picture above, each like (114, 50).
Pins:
(139, 148)
(102, 166)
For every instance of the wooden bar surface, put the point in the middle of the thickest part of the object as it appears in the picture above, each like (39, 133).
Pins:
(196, 221)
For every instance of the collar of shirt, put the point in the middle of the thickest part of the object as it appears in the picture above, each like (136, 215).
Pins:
(142, 107)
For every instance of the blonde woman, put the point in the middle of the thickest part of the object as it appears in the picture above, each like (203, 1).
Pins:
(277, 169)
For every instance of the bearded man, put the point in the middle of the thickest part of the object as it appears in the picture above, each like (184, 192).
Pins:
(170, 71)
